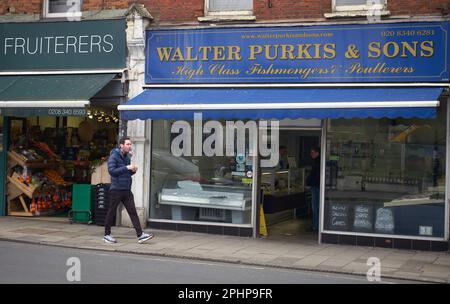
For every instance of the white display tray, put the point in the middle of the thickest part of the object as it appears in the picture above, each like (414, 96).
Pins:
(205, 198)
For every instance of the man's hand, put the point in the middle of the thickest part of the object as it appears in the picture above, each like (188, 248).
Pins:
(132, 168)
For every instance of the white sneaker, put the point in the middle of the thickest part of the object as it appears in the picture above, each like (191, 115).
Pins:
(109, 239)
(144, 237)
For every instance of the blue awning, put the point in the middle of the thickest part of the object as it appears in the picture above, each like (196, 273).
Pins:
(280, 103)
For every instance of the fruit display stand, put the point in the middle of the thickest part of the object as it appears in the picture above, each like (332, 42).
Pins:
(30, 195)
(17, 205)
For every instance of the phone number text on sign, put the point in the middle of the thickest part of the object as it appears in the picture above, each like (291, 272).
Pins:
(67, 112)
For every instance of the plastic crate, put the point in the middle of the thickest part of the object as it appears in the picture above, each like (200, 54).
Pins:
(81, 203)
(101, 199)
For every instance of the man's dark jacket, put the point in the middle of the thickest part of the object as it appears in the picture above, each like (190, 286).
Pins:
(313, 179)
(117, 168)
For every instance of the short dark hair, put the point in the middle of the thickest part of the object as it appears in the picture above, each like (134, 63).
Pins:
(315, 149)
(123, 139)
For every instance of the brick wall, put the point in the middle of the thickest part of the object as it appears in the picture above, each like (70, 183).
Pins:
(416, 7)
(189, 10)
(174, 10)
(35, 6)
(290, 9)
(21, 6)
(89, 5)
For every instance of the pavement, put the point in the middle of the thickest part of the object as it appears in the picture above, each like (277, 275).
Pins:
(422, 266)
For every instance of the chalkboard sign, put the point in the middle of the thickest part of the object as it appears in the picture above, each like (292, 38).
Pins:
(338, 216)
(384, 222)
(363, 218)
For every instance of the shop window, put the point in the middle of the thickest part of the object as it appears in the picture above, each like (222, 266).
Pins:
(386, 176)
(62, 8)
(228, 9)
(193, 188)
(355, 8)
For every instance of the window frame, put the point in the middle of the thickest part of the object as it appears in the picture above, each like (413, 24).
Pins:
(350, 8)
(208, 12)
(48, 14)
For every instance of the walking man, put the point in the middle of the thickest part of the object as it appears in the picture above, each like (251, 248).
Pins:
(121, 170)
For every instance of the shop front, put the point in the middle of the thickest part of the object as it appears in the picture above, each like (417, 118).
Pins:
(60, 84)
(235, 112)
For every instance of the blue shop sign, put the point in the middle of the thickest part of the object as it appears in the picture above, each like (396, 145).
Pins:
(402, 52)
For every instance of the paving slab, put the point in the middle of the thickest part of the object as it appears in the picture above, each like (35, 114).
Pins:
(413, 266)
(442, 260)
(355, 266)
(391, 263)
(425, 257)
(284, 261)
(311, 261)
(336, 263)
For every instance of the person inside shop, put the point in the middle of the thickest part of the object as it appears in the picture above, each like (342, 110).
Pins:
(313, 181)
(121, 170)
(223, 173)
(283, 162)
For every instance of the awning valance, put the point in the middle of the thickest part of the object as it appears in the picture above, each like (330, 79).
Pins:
(280, 103)
(54, 95)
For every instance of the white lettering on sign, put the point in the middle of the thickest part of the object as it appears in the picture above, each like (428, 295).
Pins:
(336, 222)
(66, 112)
(83, 44)
(363, 218)
(339, 216)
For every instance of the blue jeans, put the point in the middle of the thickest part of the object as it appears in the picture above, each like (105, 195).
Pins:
(315, 197)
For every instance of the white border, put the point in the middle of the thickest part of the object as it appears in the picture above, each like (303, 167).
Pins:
(255, 189)
(323, 151)
(43, 104)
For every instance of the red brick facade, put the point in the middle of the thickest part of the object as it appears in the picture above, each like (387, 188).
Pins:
(174, 10)
(35, 6)
(189, 10)
(408, 7)
(291, 9)
(166, 11)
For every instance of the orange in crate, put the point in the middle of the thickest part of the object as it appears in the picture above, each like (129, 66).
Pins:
(33, 206)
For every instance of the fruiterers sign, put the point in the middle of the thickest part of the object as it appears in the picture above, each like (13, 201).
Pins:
(412, 52)
(62, 45)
